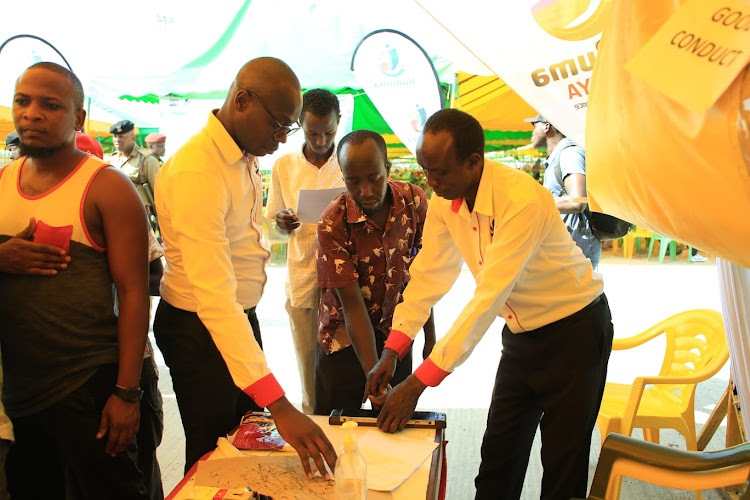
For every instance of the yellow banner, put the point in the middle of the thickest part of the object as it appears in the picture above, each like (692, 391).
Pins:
(653, 162)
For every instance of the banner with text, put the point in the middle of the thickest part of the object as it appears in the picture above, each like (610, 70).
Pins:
(400, 80)
(697, 53)
(544, 49)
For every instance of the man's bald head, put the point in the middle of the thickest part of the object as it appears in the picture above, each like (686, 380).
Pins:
(265, 95)
(266, 74)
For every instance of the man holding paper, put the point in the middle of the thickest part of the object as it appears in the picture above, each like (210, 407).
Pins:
(367, 239)
(312, 167)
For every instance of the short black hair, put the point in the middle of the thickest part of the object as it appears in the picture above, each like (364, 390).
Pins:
(468, 135)
(358, 137)
(60, 70)
(320, 102)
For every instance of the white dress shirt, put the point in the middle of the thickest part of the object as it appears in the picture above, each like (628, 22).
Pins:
(526, 266)
(208, 197)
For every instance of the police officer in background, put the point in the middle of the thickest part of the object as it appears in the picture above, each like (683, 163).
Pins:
(157, 144)
(139, 164)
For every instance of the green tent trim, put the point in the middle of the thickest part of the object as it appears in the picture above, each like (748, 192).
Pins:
(366, 116)
(221, 44)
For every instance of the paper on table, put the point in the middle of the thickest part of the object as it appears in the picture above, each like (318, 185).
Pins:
(312, 202)
(392, 459)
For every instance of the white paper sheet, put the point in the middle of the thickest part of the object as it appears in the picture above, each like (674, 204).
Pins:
(392, 459)
(312, 202)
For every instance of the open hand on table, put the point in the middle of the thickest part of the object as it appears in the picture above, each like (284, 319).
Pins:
(120, 420)
(304, 435)
(400, 403)
(18, 255)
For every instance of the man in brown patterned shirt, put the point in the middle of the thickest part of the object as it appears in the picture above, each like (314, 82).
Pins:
(367, 238)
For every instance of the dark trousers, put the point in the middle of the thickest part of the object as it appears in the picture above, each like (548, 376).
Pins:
(340, 380)
(553, 377)
(210, 403)
(58, 447)
(151, 429)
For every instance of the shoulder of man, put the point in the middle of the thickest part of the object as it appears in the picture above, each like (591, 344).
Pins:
(285, 161)
(336, 208)
(332, 223)
(573, 158)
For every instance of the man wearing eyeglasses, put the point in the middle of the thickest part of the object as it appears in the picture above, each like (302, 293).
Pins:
(209, 198)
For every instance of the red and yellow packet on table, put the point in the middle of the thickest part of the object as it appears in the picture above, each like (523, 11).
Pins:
(257, 431)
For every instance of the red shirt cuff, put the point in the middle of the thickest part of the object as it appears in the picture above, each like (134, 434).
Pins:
(265, 391)
(399, 342)
(429, 373)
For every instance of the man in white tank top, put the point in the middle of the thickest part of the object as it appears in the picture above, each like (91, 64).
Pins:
(72, 366)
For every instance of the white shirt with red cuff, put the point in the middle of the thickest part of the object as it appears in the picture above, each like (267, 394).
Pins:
(209, 201)
(526, 266)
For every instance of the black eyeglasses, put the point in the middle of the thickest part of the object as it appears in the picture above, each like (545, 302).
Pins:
(281, 130)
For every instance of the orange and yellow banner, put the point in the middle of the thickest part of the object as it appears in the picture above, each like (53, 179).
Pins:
(655, 161)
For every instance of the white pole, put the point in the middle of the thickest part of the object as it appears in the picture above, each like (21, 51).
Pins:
(734, 284)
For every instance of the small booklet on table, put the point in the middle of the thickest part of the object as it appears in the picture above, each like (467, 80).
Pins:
(257, 431)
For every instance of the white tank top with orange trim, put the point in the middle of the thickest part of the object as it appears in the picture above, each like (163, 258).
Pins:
(57, 331)
(60, 206)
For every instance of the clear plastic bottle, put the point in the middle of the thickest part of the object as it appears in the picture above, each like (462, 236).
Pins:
(351, 471)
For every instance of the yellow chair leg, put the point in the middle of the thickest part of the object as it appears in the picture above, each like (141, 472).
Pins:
(651, 435)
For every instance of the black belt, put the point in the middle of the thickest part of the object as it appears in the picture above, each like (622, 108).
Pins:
(593, 302)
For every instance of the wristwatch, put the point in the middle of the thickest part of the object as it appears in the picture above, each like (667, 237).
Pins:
(129, 394)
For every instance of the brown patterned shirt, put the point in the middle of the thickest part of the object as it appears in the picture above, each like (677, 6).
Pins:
(351, 248)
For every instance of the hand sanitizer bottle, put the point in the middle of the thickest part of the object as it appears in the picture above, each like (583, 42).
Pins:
(351, 470)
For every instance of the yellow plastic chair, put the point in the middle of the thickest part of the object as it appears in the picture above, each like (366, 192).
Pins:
(634, 239)
(663, 466)
(696, 349)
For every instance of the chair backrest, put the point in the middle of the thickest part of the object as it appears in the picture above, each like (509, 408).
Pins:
(664, 466)
(696, 347)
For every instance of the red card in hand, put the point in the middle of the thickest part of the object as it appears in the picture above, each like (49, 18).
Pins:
(55, 236)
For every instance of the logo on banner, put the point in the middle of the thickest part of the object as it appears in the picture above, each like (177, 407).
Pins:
(418, 118)
(401, 81)
(390, 63)
(571, 20)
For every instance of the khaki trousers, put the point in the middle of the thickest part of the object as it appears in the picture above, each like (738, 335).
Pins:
(304, 324)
